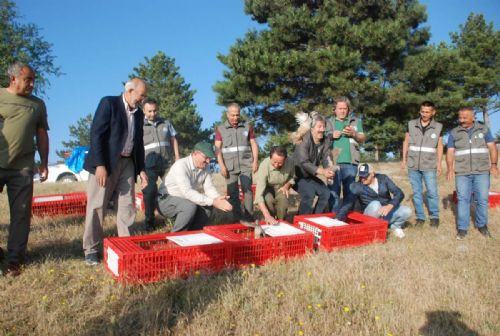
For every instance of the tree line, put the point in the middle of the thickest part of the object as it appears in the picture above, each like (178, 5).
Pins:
(306, 53)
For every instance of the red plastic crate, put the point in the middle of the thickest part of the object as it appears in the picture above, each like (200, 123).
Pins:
(493, 198)
(59, 204)
(241, 191)
(361, 230)
(139, 201)
(151, 258)
(246, 250)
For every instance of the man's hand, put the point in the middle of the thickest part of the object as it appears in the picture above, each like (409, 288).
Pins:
(43, 171)
(284, 189)
(439, 170)
(494, 171)
(349, 131)
(271, 220)
(101, 175)
(223, 171)
(403, 165)
(144, 179)
(222, 203)
(337, 134)
(326, 172)
(384, 211)
(450, 174)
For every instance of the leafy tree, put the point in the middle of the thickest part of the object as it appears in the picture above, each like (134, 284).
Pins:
(80, 134)
(175, 99)
(478, 45)
(311, 51)
(22, 42)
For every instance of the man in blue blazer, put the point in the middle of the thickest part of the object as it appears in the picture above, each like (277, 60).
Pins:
(115, 158)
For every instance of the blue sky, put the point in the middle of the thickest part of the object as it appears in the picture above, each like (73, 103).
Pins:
(97, 43)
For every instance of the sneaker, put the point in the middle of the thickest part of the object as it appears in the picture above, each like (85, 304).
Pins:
(461, 234)
(435, 222)
(398, 232)
(419, 222)
(92, 259)
(485, 232)
(13, 269)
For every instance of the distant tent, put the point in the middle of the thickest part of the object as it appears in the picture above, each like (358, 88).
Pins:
(77, 158)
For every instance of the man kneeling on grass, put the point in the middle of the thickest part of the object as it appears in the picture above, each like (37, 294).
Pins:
(188, 193)
(374, 194)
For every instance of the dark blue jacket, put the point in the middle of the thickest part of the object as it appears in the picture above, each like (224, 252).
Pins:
(108, 134)
(386, 187)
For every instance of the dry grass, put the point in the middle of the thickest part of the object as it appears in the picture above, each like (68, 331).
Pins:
(425, 284)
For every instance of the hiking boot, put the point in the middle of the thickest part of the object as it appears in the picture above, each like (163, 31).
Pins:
(435, 222)
(92, 259)
(419, 222)
(398, 232)
(13, 269)
(485, 232)
(461, 234)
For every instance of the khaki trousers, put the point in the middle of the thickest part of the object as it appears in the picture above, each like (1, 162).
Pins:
(121, 182)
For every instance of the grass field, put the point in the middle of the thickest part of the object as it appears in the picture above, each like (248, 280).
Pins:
(425, 284)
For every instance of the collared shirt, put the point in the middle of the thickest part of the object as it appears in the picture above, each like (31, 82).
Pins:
(129, 143)
(267, 175)
(186, 181)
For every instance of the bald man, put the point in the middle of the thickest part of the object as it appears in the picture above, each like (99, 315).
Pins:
(115, 158)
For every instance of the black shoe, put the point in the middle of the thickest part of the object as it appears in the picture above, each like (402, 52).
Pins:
(149, 227)
(92, 259)
(419, 222)
(461, 234)
(2, 255)
(13, 269)
(435, 222)
(485, 232)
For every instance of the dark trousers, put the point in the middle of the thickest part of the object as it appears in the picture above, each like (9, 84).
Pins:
(150, 193)
(308, 188)
(20, 192)
(188, 216)
(245, 179)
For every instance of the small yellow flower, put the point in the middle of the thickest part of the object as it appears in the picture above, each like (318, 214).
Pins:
(318, 305)
(363, 286)
(300, 323)
(113, 297)
(51, 271)
(45, 297)
(310, 307)
(309, 274)
(377, 317)
(252, 265)
(301, 333)
(347, 309)
(197, 273)
(389, 334)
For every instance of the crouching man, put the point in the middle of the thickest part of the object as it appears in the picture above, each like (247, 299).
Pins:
(381, 198)
(188, 193)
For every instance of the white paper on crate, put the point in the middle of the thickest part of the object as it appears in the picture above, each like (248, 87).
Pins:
(194, 239)
(281, 229)
(112, 261)
(326, 221)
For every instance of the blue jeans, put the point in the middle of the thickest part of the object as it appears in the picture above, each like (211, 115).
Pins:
(307, 189)
(344, 177)
(396, 217)
(466, 185)
(429, 178)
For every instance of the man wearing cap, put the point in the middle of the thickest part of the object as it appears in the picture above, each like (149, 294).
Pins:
(471, 158)
(160, 150)
(188, 193)
(381, 198)
(422, 155)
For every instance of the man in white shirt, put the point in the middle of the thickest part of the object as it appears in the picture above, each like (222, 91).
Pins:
(188, 193)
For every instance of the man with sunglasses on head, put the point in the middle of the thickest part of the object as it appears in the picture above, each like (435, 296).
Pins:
(381, 198)
(188, 193)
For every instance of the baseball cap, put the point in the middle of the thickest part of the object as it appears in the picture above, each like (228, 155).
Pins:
(205, 148)
(365, 169)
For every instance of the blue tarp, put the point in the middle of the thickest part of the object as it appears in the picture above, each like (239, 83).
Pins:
(77, 158)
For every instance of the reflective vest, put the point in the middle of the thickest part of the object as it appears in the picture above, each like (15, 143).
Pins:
(236, 150)
(157, 147)
(422, 152)
(471, 153)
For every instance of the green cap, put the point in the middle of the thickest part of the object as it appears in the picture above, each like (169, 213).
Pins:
(205, 148)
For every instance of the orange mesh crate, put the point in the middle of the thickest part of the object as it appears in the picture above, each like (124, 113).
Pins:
(59, 204)
(151, 258)
(493, 198)
(247, 250)
(360, 230)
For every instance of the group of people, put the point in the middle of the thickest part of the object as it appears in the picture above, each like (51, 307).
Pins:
(129, 139)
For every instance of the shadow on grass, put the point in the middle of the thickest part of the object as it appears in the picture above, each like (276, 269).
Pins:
(444, 323)
(158, 308)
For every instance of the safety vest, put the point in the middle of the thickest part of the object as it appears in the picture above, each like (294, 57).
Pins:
(471, 153)
(236, 150)
(157, 148)
(422, 153)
